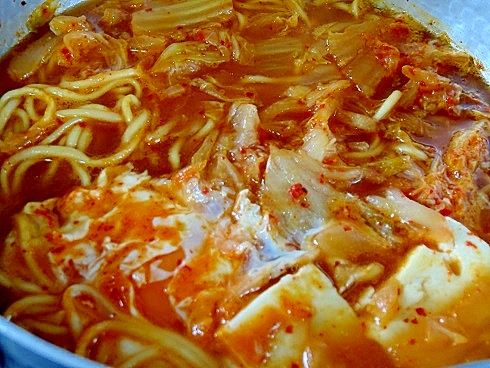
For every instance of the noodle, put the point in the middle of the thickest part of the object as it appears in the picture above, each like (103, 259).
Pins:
(146, 355)
(11, 100)
(78, 97)
(23, 125)
(95, 81)
(172, 343)
(75, 117)
(90, 113)
(61, 130)
(126, 103)
(29, 106)
(45, 327)
(173, 346)
(17, 284)
(33, 304)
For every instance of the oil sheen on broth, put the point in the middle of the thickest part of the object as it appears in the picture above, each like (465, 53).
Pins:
(246, 183)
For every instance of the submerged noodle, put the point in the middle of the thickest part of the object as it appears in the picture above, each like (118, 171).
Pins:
(247, 183)
(70, 140)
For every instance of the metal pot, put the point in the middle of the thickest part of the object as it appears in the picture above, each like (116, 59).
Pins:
(464, 22)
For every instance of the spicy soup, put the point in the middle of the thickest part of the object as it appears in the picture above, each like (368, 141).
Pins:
(246, 183)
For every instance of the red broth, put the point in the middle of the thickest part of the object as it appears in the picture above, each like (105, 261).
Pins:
(246, 183)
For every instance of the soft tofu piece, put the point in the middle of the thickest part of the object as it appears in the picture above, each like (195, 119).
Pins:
(436, 302)
(300, 321)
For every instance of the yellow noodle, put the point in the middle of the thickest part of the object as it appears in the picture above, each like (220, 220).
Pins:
(118, 334)
(206, 128)
(102, 306)
(122, 91)
(44, 327)
(95, 106)
(57, 317)
(47, 176)
(147, 355)
(172, 343)
(26, 241)
(30, 108)
(67, 94)
(127, 345)
(61, 130)
(161, 132)
(129, 142)
(135, 127)
(35, 269)
(82, 173)
(99, 79)
(103, 352)
(33, 304)
(31, 155)
(118, 156)
(17, 284)
(73, 136)
(20, 172)
(35, 154)
(96, 114)
(126, 103)
(14, 95)
(24, 121)
(85, 139)
(6, 111)
(76, 290)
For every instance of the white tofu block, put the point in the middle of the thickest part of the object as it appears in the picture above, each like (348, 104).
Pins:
(435, 302)
(300, 321)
